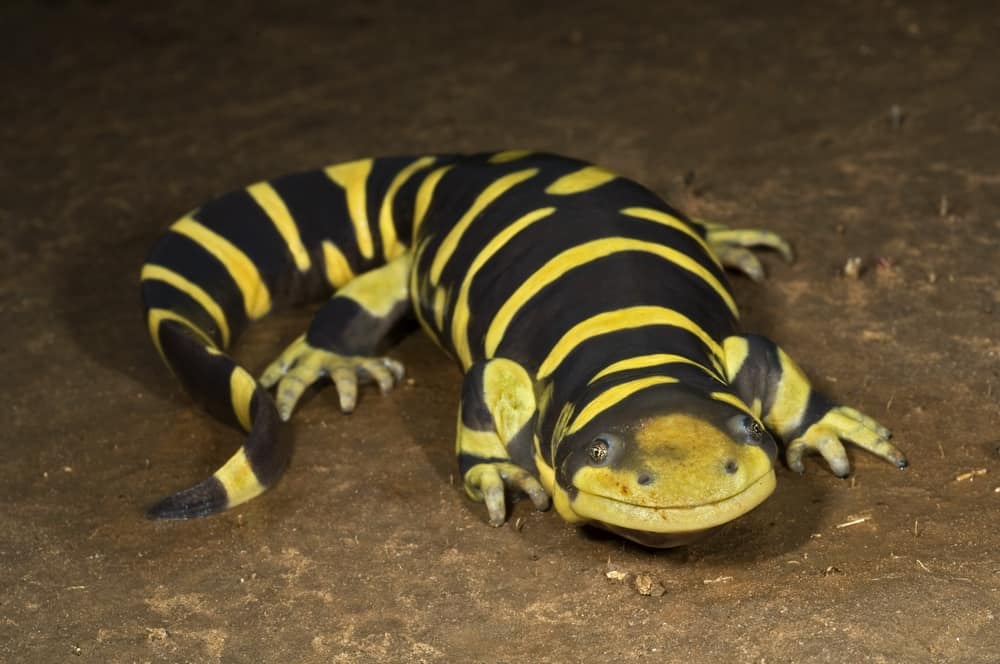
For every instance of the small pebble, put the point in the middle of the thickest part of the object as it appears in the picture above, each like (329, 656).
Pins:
(616, 575)
(853, 268)
(944, 207)
(647, 585)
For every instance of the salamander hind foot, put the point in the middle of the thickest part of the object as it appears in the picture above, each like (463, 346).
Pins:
(301, 365)
(731, 247)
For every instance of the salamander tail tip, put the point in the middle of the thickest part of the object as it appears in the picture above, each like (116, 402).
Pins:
(208, 497)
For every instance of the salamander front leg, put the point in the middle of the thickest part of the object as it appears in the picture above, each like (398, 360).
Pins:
(494, 442)
(779, 392)
(843, 423)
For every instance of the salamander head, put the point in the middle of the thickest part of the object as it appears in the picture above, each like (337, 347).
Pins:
(664, 475)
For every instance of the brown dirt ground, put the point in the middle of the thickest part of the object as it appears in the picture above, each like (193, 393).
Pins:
(119, 116)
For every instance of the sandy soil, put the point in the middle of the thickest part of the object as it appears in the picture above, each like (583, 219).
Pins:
(118, 118)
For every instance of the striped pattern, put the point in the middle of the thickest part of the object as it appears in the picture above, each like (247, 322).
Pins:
(352, 178)
(612, 396)
(490, 194)
(236, 258)
(597, 288)
(585, 279)
(244, 272)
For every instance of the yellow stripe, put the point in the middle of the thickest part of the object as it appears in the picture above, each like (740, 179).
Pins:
(612, 396)
(483, 444)
(156, 316)
(417, 300)
(241, 389)
(256, 298)
(589, 177)
(338, 270)
(562, 422)
(238, 479)
(391, 247)
(496, 189)
(791, 396)
(546, 474)
(460, 318)
(440, 300)
(726, 397)
(643, 361)
(192, 290)
(717, 362)
(580, 255)
(424, 196)
(737, 349)
(353, 178)
(621, 319)
(269, 200)
(508, 155)
(659, 217)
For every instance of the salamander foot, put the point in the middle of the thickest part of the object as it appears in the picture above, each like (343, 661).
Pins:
(301, 365)
(489, 482)
(731, 247)
(843, 423)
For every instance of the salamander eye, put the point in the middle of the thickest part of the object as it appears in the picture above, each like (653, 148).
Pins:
(598, 451)
(753, 428)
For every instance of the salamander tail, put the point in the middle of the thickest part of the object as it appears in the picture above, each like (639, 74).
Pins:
(229, 392)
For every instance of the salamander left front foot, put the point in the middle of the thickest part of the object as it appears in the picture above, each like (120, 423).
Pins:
(843, 423)
(301, 365)
(731, 247)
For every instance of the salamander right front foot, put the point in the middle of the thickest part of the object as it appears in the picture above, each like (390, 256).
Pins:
(301, 365)
(489, 482)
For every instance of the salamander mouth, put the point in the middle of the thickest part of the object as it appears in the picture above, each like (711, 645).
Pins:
(669, 526)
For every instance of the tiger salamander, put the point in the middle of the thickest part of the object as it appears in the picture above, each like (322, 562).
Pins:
(604, 369)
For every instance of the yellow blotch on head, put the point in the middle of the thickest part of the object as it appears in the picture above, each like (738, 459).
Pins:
(690, 461)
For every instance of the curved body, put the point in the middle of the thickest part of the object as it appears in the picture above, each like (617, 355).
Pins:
(594, 324)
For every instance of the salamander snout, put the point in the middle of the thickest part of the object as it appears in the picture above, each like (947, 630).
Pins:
(646, 477)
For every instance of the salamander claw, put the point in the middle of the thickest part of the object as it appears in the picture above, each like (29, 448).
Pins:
(740, 259)
(488, 482)
(843, 423)
(301, 365)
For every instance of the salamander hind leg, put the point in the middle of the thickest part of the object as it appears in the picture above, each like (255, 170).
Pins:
(342, 338)
(495, 435)
(731, 247)
(302, 365)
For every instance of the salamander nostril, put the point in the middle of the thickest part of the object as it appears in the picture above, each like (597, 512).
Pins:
(644, 479)
(731, 466)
